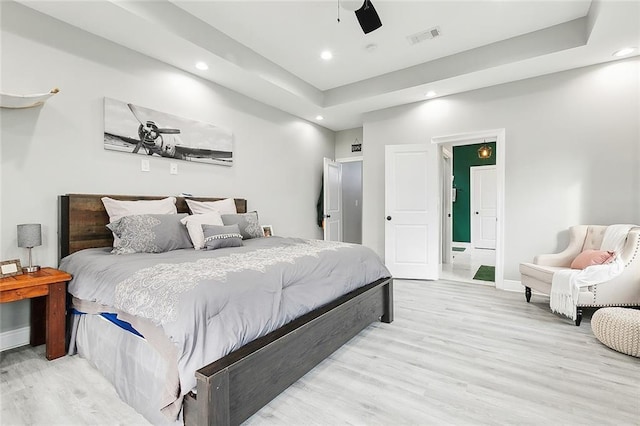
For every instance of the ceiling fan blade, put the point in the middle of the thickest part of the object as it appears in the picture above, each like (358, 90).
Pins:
(368, 17)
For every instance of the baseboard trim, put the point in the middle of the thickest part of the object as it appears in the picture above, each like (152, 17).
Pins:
(512, 285)
(14, 338)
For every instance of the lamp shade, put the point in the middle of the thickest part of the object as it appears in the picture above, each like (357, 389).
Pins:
(29, 235)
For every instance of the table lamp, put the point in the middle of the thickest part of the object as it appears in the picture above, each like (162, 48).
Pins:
(30, 236)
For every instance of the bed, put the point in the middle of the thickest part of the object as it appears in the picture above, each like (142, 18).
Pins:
(231, 387)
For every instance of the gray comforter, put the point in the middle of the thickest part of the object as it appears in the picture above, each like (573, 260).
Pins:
(209, 303)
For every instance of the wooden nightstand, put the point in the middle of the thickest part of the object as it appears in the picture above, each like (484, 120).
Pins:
(47, 291)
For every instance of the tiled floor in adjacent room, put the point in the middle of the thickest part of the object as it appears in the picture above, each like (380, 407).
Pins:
(466, 263)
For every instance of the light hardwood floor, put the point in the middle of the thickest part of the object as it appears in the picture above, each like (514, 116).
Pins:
(456, 354)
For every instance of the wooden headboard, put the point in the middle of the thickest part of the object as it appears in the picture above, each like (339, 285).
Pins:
(83, 219)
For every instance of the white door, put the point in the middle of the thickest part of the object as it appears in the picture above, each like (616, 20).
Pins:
(447, 205)
(332, 200)
(483, 207)
(412, 231)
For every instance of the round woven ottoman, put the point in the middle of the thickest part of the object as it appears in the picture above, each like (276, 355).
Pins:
(618, 328)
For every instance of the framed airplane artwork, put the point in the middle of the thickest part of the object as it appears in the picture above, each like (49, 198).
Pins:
(143, 131)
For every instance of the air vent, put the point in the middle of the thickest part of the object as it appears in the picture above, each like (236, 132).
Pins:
(424, 35)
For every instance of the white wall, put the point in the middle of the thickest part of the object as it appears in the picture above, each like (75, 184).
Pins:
(572, 150)
(344, 140)
(58, 148)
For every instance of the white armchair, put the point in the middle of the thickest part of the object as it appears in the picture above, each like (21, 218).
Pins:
(622, 290)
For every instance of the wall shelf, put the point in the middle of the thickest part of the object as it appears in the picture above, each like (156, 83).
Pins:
(8, 100)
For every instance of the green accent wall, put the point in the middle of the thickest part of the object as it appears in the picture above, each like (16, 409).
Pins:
(465, 157)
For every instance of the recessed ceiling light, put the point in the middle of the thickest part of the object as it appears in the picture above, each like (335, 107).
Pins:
(202, 66)
(431, 94)
(624, 52)
(319, 117)
(326, 55)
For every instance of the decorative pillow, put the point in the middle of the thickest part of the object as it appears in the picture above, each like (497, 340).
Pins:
(150, 233)
(194, 224)
(592, 257)
(117, 209)
(226, 206)
(216, 237)
(247, 222)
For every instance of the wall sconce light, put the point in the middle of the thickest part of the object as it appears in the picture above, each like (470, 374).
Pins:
(484, 152)
(30, 236)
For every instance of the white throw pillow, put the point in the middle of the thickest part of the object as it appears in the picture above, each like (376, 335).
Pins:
(117, 209)
(194, 224)
(226, 206)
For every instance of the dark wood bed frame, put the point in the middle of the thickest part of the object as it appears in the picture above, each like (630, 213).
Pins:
(236, 386)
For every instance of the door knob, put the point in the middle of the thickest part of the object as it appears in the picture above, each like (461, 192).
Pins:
(388, 217)
(477, 213)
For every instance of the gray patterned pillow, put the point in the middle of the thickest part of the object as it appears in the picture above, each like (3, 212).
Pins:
(247, 222)
(150, 233)
(216, 236)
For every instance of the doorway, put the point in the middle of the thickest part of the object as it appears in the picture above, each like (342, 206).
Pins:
(464, 259)
(351, 199)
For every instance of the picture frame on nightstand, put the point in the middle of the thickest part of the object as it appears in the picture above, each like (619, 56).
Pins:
(10, 268)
